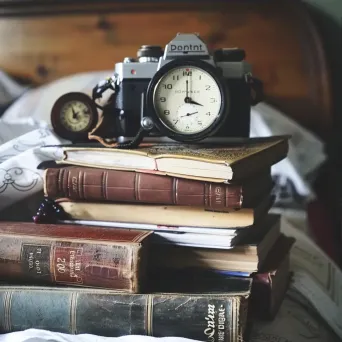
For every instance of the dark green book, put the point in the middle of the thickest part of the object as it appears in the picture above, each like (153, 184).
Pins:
(212, 317)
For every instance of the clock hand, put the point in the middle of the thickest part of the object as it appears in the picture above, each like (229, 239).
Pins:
(74, 114)
(194, 102)
(186, 100)
(188, 114)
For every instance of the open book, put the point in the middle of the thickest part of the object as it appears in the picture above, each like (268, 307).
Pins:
(237, 159)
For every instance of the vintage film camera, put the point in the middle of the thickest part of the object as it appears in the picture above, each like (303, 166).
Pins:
(183, 93)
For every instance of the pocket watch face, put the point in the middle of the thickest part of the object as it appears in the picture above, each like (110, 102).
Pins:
(187, 99)
(75, 116)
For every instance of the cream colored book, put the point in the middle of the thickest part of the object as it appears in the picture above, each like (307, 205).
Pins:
(237, 159)
(163, 215)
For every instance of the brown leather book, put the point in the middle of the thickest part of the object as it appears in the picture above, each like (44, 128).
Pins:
(81, 183)
(73, 255)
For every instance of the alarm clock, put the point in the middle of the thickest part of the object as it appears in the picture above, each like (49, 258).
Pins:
(188, 100)
(73, 115)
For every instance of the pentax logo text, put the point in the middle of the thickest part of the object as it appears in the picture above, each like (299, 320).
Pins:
(187, 47)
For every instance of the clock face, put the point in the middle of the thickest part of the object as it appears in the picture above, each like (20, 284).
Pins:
(75, 116)
(187, 99)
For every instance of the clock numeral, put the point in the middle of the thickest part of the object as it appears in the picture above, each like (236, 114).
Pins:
(200, 77)
(212, 100)
(187, 73)
(207, 87)
(175, 77)
(162, 99)
(166, 112)
(187, 127)
(200, 123)
(168, 86)
(208, 113)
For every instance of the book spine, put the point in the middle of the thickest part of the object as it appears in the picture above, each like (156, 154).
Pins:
(205, 318)
(41, 260)
(123, 186)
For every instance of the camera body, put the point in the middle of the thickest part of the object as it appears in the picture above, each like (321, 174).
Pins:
(132, 77)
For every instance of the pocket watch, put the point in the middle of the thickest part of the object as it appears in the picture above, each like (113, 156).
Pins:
(73, 115)
(187, 100)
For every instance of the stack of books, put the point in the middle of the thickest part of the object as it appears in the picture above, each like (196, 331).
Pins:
(179, 238)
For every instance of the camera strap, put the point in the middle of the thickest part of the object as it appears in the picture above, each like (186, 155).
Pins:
(100, 131)
(256, 86)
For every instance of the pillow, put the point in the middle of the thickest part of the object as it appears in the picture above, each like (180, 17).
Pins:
(37, 103)
(9, 89)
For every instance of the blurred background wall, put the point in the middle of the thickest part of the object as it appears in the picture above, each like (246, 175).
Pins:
(327, 15)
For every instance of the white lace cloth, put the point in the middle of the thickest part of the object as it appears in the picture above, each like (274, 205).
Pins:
(19, 158)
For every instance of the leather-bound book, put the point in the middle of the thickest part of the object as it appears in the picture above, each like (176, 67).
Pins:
(194, 315)
(73, 255)
(92, 184)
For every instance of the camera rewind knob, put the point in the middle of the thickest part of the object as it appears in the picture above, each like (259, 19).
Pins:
(153, 51)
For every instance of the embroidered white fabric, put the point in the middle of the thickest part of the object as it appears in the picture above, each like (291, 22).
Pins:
(19, 158)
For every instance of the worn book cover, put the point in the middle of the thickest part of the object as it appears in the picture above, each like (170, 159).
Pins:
(194, 315)
(236, 159)
(73, 255)
(93, 184)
